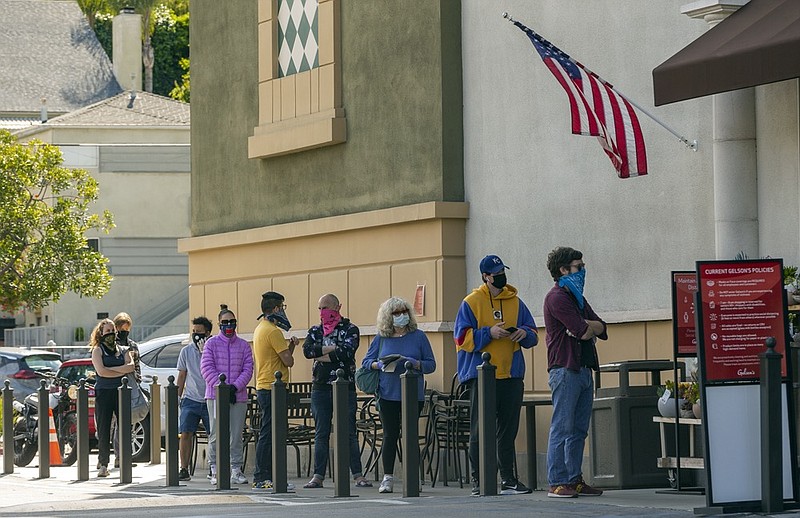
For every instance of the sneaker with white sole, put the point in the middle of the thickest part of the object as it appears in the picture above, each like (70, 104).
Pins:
(237, 477)
(387, 485)
(513, 487)
(103, 471)
(212, 476)
(562, 491)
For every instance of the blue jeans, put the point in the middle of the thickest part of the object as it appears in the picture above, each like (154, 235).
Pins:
(264, 445)
(322, 410)
(572, 408)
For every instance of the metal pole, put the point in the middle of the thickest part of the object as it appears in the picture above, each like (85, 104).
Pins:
(771, 430)
(410, 431)
(280, 428)
(82, 410)
(43, 421)
(8, 428)
(223, 423)
(341, 429)
(487, 426)
(124, 432)
(155, 421)
(171, 416)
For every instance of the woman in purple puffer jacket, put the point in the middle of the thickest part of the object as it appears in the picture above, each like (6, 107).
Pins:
(230, 355)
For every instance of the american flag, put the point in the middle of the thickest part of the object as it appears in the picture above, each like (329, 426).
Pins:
(596, 108)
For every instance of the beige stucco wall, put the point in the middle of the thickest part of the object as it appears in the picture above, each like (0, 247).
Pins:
(363, 258)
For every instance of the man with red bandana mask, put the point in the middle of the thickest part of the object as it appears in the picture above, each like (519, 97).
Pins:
(332, 345)
(272, 353)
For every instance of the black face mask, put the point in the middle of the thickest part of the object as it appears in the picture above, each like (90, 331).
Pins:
(198, 338)
(499, 280)
(122, 336)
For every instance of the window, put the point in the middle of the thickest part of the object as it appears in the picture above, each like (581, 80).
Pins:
(168, 357)
(299, 78)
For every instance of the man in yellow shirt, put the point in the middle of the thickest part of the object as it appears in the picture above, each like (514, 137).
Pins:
(271, 353)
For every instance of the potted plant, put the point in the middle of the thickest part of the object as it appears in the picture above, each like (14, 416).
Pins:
(687, 394)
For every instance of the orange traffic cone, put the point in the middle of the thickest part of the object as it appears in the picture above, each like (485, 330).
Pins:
(55, 451)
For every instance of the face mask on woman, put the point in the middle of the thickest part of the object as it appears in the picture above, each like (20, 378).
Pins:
(108, 340)
(123, 336)
(228, 327)
(401, 320)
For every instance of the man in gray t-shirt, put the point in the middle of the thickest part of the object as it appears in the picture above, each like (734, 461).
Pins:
(191, 391)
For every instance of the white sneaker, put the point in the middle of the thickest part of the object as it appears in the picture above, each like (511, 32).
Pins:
(387, 485)
(212, 476)
(237, 477)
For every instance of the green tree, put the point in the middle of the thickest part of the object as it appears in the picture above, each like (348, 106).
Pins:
(91, 8)
(181, 91)
(44, 217)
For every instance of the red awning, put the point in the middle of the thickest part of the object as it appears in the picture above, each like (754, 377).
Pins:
(756, 45)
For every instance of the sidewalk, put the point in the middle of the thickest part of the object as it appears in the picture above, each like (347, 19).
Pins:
(23, 494)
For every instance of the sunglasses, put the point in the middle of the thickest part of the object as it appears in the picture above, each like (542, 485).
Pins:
(231, 322)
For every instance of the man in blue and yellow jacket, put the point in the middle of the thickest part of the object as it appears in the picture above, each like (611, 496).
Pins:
(493, 319)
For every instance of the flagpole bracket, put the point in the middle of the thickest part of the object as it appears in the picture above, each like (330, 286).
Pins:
(508, 17)
(691, 145)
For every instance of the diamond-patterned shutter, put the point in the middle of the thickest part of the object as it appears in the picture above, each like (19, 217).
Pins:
(298, 34)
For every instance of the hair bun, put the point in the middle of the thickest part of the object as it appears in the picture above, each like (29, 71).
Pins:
(223, 307)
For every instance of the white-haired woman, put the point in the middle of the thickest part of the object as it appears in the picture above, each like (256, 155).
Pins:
(398, 341)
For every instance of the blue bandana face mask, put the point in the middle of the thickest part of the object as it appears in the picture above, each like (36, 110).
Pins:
(280, 320)
(574, 283)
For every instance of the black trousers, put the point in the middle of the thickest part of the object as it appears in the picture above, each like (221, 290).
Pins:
(508, 399)
(392, 418)
(106, 404)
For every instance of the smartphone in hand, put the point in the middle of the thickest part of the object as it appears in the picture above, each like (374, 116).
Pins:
(511, 329)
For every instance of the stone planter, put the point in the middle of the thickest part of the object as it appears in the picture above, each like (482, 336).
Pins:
(667, 409)
(697, 410)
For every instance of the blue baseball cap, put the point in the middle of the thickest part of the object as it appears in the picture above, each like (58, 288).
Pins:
(492, 264)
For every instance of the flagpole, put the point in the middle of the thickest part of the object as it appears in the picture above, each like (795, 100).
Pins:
(691, 145)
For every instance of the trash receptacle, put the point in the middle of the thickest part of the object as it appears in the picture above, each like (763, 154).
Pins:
(624, 440)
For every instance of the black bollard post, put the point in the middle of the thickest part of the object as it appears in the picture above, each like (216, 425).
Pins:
(82, 410)
(280, 428)
(8, 428)
(771, 432)
(223, 425)
(341, 430)
(124, 432)
(155, 421)
(410, 431)
(171, 416)
(43, 422)
(487, 426)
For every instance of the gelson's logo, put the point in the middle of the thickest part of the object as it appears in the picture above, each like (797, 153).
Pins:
(745, 372)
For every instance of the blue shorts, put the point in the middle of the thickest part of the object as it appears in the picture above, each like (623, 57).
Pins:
(191, 412)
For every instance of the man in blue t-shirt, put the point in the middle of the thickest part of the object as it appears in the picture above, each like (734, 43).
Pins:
(191, 391)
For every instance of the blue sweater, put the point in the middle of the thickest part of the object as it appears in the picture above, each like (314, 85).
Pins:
(413, 345)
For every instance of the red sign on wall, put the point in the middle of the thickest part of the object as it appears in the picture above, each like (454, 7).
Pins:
(684, 286)
(741, 306)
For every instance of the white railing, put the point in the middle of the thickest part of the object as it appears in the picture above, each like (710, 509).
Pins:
(65, 336)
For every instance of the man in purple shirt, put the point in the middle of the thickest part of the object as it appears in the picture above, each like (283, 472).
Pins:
(572, 330)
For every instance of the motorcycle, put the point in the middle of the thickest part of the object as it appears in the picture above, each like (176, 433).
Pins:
(61, 401)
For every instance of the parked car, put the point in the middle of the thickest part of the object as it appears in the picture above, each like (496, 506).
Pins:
(159, 357)
(25, 368)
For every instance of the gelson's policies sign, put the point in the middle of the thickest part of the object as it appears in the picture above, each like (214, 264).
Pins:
(741, 306)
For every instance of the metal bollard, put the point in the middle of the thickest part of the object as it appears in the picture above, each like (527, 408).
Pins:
(771, 430)
(44, 430)
(487, 426)
(223, 423)
(8, 428)
(82, 409)
(124, 432)
(280, 428)
(155, 421)
(410, 431)
(171, 416)
(341, 429)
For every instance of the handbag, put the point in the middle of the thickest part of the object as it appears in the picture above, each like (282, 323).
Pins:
(368, 379)
(140, 403)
